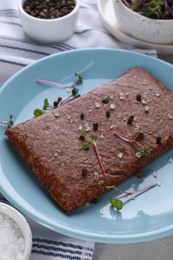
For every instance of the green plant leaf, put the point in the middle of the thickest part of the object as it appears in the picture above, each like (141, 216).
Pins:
(38, 112)
(143, 152)
(46, 104)
(116, 203)
(93, 137)
(109, 187)
(85, 146)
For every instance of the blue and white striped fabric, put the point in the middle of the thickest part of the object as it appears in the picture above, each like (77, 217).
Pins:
(17, 50)
(48, 245)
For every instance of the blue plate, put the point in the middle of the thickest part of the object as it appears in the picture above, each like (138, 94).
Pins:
(149, 216)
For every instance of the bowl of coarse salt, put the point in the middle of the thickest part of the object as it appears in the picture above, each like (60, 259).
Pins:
(15, 234)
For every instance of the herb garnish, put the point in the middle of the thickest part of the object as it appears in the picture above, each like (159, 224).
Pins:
(118, 203)
(139, 135)
(59, 102)
(79, 79)
(39, 112)
(9, 122)
(86, 144)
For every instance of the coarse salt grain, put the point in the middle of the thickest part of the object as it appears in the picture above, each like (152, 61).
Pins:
(12, 241)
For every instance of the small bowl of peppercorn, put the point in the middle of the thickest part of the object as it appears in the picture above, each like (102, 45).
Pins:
(49, 21)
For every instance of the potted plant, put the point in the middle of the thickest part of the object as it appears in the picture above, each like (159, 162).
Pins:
(147, 20)
(155, 9)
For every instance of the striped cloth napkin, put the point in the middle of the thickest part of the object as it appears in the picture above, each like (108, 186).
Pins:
(17, 51)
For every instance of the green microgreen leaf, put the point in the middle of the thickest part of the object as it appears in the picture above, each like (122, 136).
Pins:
(85, 146)
(83, 133)
(105, 100)
(116, 203)
(139, 133)
(79, 79)
(38, 112)
(93, 137)
(10, 122)
(109, 187)
(74, 91)
(143, 152)
(46, 104)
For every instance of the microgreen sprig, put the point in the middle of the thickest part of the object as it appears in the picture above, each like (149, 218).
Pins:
(56, 84)
(118, 203)
(91, 139)
(9, 122)
(78, 81)
(74, 94)
(139, 135)
(46, 106)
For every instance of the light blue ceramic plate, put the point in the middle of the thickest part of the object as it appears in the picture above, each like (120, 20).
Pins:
(149, 216)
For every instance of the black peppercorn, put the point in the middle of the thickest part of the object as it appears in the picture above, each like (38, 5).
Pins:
(130, 120)
(55, 103)
(94, 201)
(95, 126)
(138, 97)
(59, 99)
(75, 91)
(49, 9)
(84, 172)
(105, 100)
(108, 113)
(82, 116)
(158, 140)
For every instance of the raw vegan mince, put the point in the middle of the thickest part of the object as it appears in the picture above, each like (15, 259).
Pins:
(99, 139)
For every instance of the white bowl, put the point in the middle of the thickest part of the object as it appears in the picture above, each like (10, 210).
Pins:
(141, 27)
(49, 30)
(15, 217)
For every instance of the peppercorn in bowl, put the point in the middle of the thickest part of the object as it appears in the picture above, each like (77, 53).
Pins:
(48, 21)
(15, 234)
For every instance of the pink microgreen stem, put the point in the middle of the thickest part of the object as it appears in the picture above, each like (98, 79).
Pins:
(121, 191)
(44, 81)
(4, 122)
(138, 191)
(130, 141)
(98, 157)
(122, 138)
(67, 100)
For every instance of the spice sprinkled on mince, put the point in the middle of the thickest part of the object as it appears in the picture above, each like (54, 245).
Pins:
(105, 100)
(108, 113)
(82, 116)
(138, 97)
